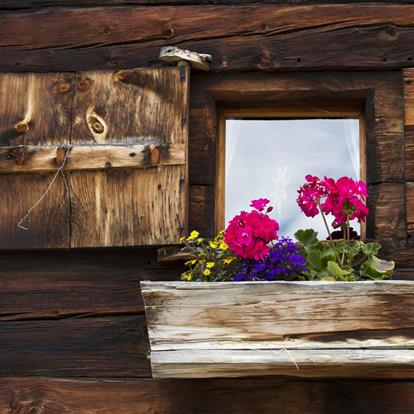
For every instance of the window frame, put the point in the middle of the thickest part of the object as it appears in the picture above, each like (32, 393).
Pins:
(282, 112)
(382, 97)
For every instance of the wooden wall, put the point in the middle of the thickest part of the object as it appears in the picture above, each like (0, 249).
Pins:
(72, 328)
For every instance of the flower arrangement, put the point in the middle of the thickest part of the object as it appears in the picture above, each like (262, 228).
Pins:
(249, 249)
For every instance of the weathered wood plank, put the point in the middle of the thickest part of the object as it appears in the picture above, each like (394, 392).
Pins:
(360, 329)
(293, 362)
(208, 396)
(61, 284)
(289, 37)
(409, 127)
(26, 119)
(130, 207)
(111, 346)
(410, 207)
(39, 159)
(24, 4)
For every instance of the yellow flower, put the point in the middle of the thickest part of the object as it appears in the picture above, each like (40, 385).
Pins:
(186, 276)
(207, 272)
(223, 246)
(190, 262)
(209, 265)
(228, 260)
(193, 235)
(182, 239)
(213, 245)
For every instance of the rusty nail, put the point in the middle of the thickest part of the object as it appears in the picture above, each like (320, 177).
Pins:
(155, 155)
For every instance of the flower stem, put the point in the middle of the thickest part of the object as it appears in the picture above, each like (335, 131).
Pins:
(324, 221)
(329, 233)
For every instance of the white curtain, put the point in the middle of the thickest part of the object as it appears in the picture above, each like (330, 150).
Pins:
(351, 130)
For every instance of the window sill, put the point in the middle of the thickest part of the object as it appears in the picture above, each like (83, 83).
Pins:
(302, 329)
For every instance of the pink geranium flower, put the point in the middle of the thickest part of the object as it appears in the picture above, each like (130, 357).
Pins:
(310, 195)
(344, 198)
(248, 234)
(260, 203)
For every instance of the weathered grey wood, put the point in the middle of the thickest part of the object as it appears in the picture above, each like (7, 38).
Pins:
(359, 329)
(173, 54)
(366, 363)
(36, 159)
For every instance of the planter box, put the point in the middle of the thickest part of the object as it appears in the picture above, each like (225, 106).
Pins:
(306, 329)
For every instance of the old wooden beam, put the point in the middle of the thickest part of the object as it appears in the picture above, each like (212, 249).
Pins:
(309, 329)
(247, 37)
(37, 159)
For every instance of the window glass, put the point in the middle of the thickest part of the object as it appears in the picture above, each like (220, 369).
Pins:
(270, 158)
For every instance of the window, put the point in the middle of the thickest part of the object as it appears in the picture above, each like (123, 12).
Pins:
(268, 154)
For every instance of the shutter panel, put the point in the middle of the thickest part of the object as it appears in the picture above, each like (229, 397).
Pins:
(34, 110)
(126, 167)
(144, 206)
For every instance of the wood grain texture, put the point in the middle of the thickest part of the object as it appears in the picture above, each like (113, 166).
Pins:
(360, 329)
(39, 159)
(409, 127)
(130, 207)
(262, 37)
(25, 119)
(241, 396)
(65, 284)
(25, 4)
(111, 346)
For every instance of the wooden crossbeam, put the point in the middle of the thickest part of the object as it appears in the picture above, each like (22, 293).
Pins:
(38, 159)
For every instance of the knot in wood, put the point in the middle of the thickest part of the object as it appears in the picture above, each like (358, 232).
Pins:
(266, 61)
(22, 127)
(169, 32)
(83, 84)
(63, 87)
(98, 127)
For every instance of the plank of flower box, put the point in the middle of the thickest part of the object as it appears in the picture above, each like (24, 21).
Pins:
(362, 363)
(335, 322)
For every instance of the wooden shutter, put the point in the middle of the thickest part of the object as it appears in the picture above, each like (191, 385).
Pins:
(126, 136)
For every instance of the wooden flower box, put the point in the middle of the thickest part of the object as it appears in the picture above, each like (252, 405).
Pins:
(305, 329)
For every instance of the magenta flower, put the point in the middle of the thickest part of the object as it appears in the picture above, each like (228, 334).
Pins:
(248, 234)
(310, 194)
(345, 200)
(260, 203)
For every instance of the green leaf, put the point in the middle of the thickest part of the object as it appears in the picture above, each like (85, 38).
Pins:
(313, 257)
(375, 268)
(335, 270)
(382, 266)
(371, 249)
(308, 237)
(328, 278)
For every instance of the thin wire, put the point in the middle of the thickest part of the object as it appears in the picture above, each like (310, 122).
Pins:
(26, 216)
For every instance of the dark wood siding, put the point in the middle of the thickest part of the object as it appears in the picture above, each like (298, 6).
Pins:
(72, 333)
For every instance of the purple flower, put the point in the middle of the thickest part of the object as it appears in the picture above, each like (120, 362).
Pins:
(283, 262)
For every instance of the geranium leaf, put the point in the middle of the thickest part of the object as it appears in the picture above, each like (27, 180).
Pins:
(335, 270)
(308, 237)
(382, 266)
